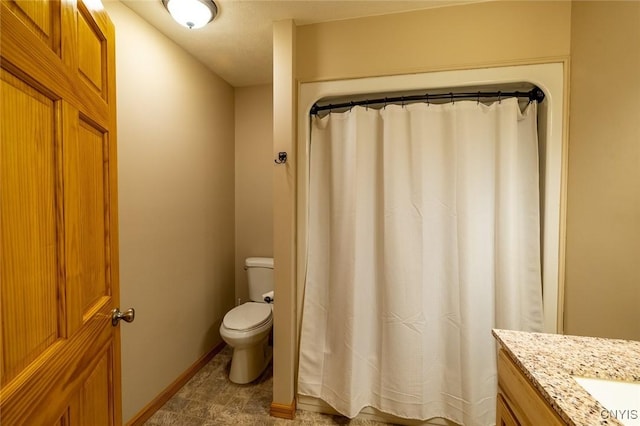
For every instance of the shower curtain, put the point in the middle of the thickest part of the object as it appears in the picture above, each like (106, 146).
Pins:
(424, 234)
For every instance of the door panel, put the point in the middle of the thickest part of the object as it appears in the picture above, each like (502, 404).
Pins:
(91, 52)
(64, 419)
(60, 359)
(95, 401)
(86, 213)
(42, 18)
(29, 276)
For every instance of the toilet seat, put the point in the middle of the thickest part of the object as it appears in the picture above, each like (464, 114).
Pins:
(248, 316)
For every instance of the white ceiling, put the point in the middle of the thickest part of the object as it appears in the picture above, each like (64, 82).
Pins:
(237, 45)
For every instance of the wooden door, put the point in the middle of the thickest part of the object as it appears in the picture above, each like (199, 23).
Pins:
(58, 215)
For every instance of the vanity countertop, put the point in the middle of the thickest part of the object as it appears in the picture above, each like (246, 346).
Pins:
(550, 360)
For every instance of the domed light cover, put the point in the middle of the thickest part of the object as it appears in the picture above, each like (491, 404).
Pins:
(191, 13)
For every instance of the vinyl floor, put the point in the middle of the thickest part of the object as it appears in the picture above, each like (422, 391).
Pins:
(210, 398)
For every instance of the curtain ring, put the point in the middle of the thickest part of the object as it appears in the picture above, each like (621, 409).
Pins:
(366, 105)
(402, 101)
(427, 95)
(352, 105)
(478, 100)
(385, 103)
(452, 101)
(499, 97)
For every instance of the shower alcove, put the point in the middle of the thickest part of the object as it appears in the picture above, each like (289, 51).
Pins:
(550, 77)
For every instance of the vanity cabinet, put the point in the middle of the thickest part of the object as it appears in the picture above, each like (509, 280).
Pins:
(536, 371)
(518, 403)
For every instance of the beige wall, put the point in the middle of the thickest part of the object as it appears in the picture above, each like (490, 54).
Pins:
(176, 188)
(603, 214)
(468, 36)
(253, 178)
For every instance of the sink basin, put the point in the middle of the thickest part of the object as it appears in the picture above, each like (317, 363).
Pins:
(621, 399)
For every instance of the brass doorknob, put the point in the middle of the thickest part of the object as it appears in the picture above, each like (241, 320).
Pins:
(129, 315)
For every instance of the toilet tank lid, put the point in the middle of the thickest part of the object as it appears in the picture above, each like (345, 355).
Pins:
(259, 262)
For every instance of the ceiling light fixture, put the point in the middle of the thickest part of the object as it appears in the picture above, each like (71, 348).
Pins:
(191, 13)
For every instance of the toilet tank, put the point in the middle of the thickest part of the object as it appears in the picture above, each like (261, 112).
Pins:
(260, 276)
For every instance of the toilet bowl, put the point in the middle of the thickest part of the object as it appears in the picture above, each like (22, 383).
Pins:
(246, 327)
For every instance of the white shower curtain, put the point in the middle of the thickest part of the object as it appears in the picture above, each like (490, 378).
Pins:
(424, 234)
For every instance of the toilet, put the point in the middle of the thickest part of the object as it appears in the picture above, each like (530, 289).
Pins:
(246, 327)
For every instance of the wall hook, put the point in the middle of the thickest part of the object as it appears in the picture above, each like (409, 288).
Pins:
(282, 158)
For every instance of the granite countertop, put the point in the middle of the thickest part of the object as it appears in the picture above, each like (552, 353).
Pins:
(549, 361)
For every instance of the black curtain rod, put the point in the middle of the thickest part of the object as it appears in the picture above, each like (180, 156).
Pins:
(534, 94)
